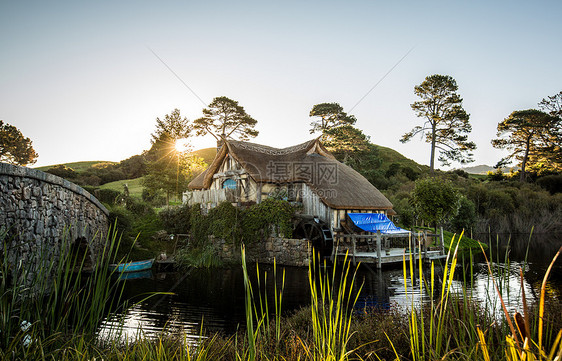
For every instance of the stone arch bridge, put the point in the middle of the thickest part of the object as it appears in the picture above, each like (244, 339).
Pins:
(40, 212)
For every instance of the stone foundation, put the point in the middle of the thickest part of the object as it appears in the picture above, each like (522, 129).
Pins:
(286, 252)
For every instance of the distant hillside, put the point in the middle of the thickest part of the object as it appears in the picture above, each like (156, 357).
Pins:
(208, 154)
(390, 156)
(483, 169)
(78, 167)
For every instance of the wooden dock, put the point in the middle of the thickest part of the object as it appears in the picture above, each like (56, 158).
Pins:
(389, 256)
(418, 249)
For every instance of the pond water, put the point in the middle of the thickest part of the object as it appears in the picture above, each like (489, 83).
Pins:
(215, 298)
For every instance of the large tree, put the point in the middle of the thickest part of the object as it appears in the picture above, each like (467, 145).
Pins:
(446, 124)
(14, 147)
(224, 119)
(169, 168)
(529, 135)
(329, 115)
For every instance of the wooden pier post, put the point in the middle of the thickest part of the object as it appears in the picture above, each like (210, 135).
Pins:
(442, 241)
(379, 260)
(353, 243)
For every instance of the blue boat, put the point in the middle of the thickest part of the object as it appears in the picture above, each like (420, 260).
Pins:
(135, 275)
(132, 266)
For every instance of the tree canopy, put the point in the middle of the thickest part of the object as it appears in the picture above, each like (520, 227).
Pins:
(169, 169)
(446, 124)
(330, 115)
(168, 131)
(351, 146)
(552, 105)
(435, 200)
(14, 147)
(224, 118)
(531, 136)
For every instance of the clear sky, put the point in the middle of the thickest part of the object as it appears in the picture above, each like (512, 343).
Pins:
(80, 80)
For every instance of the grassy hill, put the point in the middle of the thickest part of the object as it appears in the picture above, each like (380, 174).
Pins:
(390, 156)
(208, 154)
(134, 185)
(78, 167)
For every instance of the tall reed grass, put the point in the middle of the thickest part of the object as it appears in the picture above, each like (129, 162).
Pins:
(45, 293)
(452, 325)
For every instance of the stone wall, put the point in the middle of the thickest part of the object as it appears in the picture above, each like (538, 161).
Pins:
(39, 211)
(287, 252)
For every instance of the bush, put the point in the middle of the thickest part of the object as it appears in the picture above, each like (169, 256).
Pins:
(466, 216)
(155, 198)
(62, 171)
(496, 175)
(198, 226)
(271, 214)
(410, 173)
(224, 222)
(552, 183)
(108, 196)
(176, 219)
(121, 218)
(460, 173)
(392, 170)
(138, 208)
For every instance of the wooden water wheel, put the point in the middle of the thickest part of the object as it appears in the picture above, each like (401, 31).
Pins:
(318, 233)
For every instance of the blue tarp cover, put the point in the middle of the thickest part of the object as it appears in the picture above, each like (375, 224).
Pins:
(373, 222)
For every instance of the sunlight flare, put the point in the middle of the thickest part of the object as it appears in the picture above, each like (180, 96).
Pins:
(182, 145)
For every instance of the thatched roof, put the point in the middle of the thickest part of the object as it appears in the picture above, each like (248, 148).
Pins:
(338, 185)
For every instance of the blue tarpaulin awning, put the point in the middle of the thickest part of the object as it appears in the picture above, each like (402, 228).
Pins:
(373, 222)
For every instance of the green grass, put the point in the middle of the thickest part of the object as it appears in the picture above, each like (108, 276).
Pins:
(465, 243)
(134, 185)
(78, 167)
(478, 176)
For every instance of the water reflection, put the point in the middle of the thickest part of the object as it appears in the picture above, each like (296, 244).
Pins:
(214, 299)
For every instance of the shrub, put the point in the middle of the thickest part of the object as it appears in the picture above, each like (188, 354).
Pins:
(552, 183)
(121, 218)
(496, 175)
(176, 219)
(224, 222)
(410, 173)
(62, 171)
(392, 170)
(271, 214)
(465, 217)
(154, 198)
(138, 208)
(108, 196)
(460, 173)
(198, 226)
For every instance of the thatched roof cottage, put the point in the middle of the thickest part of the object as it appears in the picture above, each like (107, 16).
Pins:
(246, 173)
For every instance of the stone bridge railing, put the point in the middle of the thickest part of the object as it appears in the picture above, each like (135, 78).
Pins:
(39, 211)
